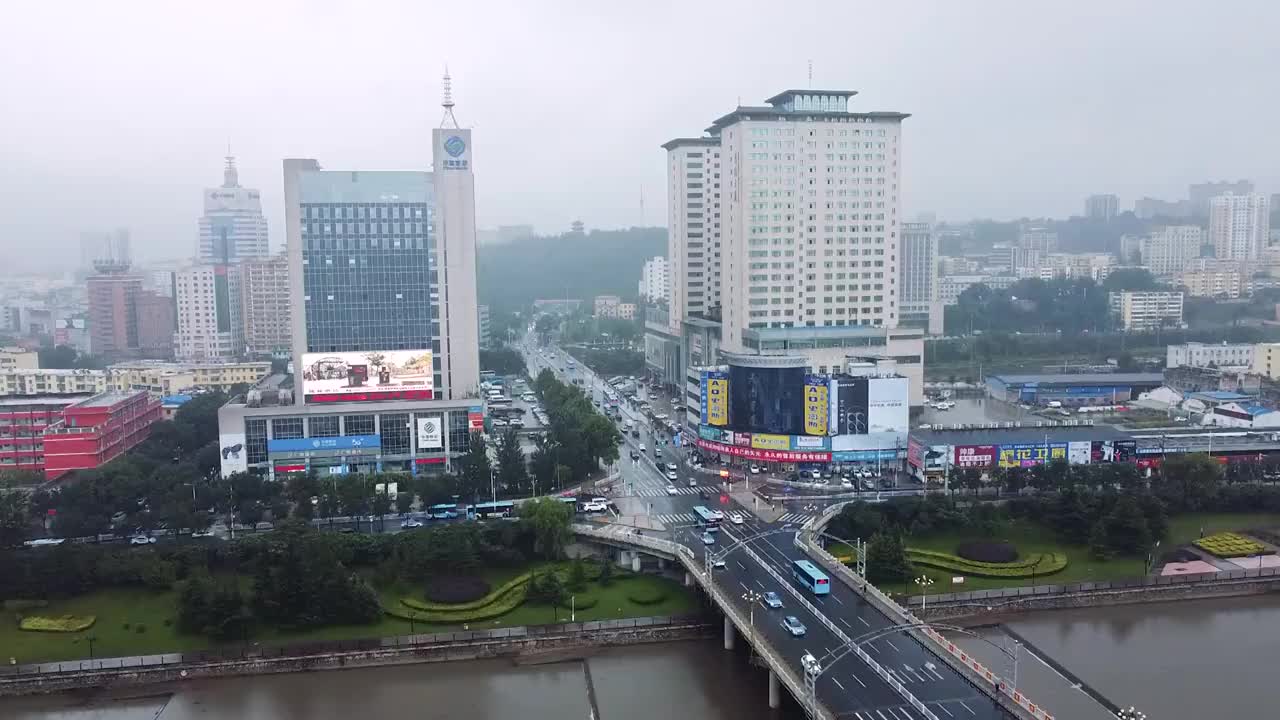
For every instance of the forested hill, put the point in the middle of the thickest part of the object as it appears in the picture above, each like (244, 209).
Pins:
(601, 262)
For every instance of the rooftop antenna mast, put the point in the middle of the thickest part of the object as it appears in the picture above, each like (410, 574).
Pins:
(448, 120)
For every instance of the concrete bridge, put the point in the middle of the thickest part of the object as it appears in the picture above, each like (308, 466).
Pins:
(876, 660)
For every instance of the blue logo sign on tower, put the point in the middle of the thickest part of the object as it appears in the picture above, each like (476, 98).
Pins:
(455, 146)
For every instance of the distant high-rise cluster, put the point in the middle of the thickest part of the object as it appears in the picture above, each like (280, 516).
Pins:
(1239, 225)
(1101, 207)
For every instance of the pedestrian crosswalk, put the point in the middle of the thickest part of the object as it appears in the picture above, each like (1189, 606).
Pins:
(658, 492)
(676, 518)
(795, 517)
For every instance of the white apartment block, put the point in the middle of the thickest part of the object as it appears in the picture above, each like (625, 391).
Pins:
(950, 287)
(1146, 309)
(693, 228)
(1094, 266)
(1194, 354)
(203, 296)
(1169, 249)
(1041, 239)
(264, 305)
(653, 279)
(1266, 360)
(1239, 225)
(1101, 207)
(1207, 277)
(809, 215)
(919, 278)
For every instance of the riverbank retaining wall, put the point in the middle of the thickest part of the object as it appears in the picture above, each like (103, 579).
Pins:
(987, 607)
(110, 673)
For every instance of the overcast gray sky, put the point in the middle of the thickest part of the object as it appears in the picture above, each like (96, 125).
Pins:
(117, 114)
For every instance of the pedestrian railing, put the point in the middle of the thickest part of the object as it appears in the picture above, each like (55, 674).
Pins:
(254, 651)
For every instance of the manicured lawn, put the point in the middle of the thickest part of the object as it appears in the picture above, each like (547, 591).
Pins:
(116, 607)
(1081, 567)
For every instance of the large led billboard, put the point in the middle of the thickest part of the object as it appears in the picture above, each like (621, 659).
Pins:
(367, 376)
(767, 399)
(715, 398)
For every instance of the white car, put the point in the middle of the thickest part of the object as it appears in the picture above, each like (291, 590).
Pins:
(693, 482)
(410, 524)
(846, 482)
(671, 475)
(671, 490)
(594, 506)
(142, 540)
(643, 448)
(736, 518)
(755, 469)
(202, 534)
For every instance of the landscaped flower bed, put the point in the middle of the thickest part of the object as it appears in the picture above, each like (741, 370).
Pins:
(1230, 545)
(1033, 565)
(62, 623)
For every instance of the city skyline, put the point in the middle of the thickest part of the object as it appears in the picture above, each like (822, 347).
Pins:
(990, 138)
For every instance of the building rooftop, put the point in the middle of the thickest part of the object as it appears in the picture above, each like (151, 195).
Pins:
(365, 186)
(786, 94)
(777, 113)
(179, 366)
(1019, 436)
(1081, 379)
(52, 371)
(1219, 396)
(700, 141)
(12, 403)
(106, 399)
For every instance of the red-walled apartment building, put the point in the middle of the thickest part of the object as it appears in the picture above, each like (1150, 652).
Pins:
(95, 430)
(22, 425)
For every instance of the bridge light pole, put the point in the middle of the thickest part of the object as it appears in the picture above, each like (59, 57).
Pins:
(924, 581)
(752, 597)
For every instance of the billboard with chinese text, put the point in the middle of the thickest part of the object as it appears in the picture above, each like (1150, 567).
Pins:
(974, 456)
(816, 405)
(368, 376)
(751, 453)
(715, 398)
(1030, 455)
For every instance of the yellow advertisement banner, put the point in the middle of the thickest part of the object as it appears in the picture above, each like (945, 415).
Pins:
(717, 401)
(816, 409)
(760, 441)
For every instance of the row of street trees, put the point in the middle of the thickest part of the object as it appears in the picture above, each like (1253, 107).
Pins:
(578, 438)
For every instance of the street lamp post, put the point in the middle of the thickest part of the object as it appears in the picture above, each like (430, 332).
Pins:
(752, 597)
(924, 581)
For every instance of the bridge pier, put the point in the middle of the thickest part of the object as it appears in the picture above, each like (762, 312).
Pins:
(775, 691)
(728, 633)
(688, 579)
(635, 562)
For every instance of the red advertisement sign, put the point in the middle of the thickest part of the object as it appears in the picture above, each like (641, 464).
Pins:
(751, 453)
(974, 456)
(915, 453)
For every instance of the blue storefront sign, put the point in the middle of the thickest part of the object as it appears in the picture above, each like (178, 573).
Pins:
(710, 433)
(864, 455)
(314, 446)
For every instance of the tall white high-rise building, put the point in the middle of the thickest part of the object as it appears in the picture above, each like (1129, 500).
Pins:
(807, 208)
(653, 279)
(693, 228)
(1239, 225)
(264, 305)
(207, 301)
(1101, 207)
(233, 226)
(919, 277)
(1168, 249)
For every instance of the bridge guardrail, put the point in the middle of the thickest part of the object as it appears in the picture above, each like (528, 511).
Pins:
(964, 662)
(687, 557)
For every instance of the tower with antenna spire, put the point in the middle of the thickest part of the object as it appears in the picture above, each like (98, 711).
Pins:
(448, 121)
(232, 227)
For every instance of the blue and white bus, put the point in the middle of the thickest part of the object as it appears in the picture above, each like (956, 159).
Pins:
(808, 575)
(707, 518)
(500, 509)
(443, 511)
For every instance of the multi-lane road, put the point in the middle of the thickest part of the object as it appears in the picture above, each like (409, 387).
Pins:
(849, 687)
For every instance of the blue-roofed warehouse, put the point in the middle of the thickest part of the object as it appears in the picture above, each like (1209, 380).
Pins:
(1072, 390)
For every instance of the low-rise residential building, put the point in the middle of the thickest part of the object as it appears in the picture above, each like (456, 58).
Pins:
(1146, 309)
(950, 287)
(1216, 278)
(606, 305)
(1094, 266)
(98, 429)
(50, 381)
(16, 358)
(1266, 360)
(1194, 354)
(171, 378)
(23, 421)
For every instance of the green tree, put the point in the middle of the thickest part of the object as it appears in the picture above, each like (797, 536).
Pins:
(606, 572)
(577, 575)
(1099, 542)
(550, 520)
(513, 473)
(1191, 479)
(404, 502)
(542, 464)
(475, 471)
(382, 503)
(14, 517)
(887, 558)
(1126, 527)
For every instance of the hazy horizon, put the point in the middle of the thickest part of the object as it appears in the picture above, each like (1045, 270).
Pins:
(120, 115)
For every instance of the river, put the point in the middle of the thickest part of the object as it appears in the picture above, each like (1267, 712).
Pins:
(651, 682)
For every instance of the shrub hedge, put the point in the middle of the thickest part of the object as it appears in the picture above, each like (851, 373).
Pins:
(62, 623)
(456, 589)
(647, 595)
(1229, 545)
(415, 604)
(988, 551)
(503, 605)
(1049, 563)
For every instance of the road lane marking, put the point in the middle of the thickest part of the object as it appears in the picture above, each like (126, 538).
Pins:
(858, 715)
(838, 600)
(944, 709)
(855, 677)
(929, 668)
(759, 583)
(966, 707)
(838, 684)
(895, 647)
(881, 714)
(871, 647)
(846, 622)
(739, 562)
(864, 621)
